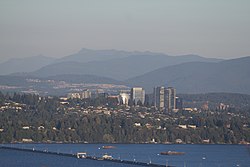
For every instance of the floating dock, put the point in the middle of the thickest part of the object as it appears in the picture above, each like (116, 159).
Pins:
(87, 157)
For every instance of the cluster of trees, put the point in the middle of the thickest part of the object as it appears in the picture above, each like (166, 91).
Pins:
(48, 121)
(235, 100)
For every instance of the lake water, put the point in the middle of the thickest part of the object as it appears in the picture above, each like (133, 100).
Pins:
(195, 155)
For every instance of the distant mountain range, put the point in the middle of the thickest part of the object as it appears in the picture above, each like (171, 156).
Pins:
(200, 77)
(89, 55)
(119, 65)
(118, 68)
(188, 73)
(27, 64)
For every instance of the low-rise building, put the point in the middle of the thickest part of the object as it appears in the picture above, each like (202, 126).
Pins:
(182, 126)
(26, 127)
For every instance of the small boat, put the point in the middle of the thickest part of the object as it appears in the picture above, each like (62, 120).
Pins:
(172, 153)
(108, 147)
(106, 157)
(81, 155)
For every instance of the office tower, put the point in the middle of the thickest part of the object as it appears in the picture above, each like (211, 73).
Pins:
(137, 95)
(124, 98)
(179, 103)
(170, 99)
(159, 98)
(86, 94)
(165, 98)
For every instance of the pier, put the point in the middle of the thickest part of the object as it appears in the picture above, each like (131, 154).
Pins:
(86, 157)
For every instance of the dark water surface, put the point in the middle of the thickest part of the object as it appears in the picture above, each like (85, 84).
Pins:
(195, 155)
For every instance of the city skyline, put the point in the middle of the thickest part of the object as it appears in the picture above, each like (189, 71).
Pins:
(210, 29)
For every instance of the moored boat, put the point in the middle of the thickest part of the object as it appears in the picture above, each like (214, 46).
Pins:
(172, 153)
(108, 147)
(106, 156)
(81, 155)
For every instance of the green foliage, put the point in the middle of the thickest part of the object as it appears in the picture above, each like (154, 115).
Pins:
(48, 120)
(235, 100)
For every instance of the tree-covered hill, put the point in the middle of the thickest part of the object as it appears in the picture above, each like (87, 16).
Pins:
(25, 117)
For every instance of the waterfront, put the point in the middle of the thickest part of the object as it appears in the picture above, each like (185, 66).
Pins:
(195, 155)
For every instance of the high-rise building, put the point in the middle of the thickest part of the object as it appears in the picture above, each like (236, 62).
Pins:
(137, 95)
(124, 98)
(165, 98)
(179, 103)
(86, 94)
(170, 99)
(159, 97)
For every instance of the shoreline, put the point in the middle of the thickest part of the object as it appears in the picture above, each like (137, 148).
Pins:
(124, 143)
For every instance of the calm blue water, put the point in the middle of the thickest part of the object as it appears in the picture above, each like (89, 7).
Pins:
(196, 155)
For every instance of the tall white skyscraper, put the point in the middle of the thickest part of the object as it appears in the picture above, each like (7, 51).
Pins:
(124, 98)
(137, 94)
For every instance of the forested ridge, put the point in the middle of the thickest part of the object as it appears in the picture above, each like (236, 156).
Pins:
(26, 117)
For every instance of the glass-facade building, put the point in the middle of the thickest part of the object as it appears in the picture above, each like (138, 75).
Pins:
(137, 95)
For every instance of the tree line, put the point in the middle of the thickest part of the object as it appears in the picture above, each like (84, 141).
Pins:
(50, 121)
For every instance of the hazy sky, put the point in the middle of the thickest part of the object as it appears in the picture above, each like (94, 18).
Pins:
(210, 28)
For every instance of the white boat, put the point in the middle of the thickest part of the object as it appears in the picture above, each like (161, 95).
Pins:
(81, 155)
(106, 156)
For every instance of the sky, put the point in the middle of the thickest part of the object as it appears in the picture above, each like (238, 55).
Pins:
(57, 28)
